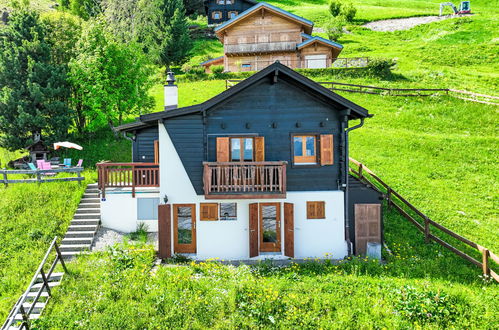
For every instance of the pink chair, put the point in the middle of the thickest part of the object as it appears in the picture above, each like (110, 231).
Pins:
(39, 164)
(47, 166)
(80, 162)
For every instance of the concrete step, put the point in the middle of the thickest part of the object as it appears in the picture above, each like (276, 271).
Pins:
(74, 247)
(92, 206)
(33, 316)
(81, 210)
(77, 240)
(92, 216)
(39, 306)
(55, 277)
(80, 234)
(92, 228)
(92, 191)
(89, 201)
(89, 222)
(71, 254)
(33, 294)
(37, 286)
(90, 195)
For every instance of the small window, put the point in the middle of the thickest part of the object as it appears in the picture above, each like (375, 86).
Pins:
(208, 212)
(147, 208)
(221, 2)
(246, 65)
(305, 149)
(228, 211)
(229, 2)
(241, 149)
(216, 15)
(316, 210)
(232, 14)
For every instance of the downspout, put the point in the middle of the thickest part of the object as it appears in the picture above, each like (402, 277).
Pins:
(131, 139)
(346, 170)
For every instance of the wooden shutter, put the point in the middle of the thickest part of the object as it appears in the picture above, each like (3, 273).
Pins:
(223, 149)
(156, 151)
(327, 149)
(259, 149)
(367, 226)
(289, 230)
(316, 210)
(253, 230)
(208, 211)
(164, 231)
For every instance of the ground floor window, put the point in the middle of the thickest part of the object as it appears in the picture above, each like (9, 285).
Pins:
(228, 211)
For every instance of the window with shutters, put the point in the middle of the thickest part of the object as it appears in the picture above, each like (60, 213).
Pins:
(316, 210)
(305, 149)
(208, 212)
(217, 15)
(228, 211)
(241, 149)
(232, 14)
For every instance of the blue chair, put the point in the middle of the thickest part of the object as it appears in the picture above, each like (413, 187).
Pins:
(67, 162)
(32, 166)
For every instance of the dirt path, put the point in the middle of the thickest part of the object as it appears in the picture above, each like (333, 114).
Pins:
(399, 24)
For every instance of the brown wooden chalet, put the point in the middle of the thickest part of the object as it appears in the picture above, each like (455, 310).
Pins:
(264, 34)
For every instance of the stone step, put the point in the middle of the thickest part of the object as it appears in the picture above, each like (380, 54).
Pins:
(93, 222)
(92, 206)
(89, 201)
(81, 210)
(92, 216)
(80, 234)
(78, 240)
(92, 228)
(74, 247)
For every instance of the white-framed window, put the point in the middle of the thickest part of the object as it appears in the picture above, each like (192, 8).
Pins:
(147, 208)
(216, 15)
(232, 14)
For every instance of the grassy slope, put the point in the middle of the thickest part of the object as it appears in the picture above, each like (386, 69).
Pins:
(31, 216)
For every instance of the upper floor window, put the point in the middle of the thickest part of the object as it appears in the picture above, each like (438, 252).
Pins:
(241, 149)
(221, 2)
(216, 15)
(305, 149)
(232, 14)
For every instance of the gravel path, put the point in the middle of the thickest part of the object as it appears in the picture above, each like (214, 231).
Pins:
(108, 237)
(399, 24)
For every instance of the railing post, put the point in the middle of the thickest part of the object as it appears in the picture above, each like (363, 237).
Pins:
(361, 175)
(134, 180)
(389, 197)
(426, 230)
(38, 176)
(59, 255)
(45, 281)
(485, 262)
(25, 322)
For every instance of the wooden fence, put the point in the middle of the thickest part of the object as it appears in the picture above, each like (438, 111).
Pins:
(374, 90)
(40, 176)
(425, 224)
(44, 276)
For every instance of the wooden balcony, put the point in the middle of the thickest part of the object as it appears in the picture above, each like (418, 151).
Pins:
(244, 180)
(127, 175)
(259, 48)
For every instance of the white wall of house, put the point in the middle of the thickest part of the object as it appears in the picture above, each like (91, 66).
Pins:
(119, 209)
(230, 239)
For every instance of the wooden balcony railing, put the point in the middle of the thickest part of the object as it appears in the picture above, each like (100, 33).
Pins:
(244, 180)
(127, 175)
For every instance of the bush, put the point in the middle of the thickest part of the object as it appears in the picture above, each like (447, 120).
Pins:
(380, 67)
(348, 11)
(217, 69)
(334, 27)
(335, 7)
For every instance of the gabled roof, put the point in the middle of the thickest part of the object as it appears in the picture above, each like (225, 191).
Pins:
(318, 39)
(212, 60)
(306, 36)
(354, 111)
(282, 12)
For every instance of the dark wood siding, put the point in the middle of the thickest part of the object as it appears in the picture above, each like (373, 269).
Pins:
(186, 133)
(212, 5)
(143, 147)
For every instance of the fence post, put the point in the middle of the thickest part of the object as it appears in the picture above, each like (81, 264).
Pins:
(38, 176)
(45, 281)
(485, 262)
(5, 181)
(360, 171)
(59, 254)
(426, 230)
(25, 317)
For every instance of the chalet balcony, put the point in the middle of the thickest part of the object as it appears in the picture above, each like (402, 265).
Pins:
(127, 175)
(259, 47)
(244, 180)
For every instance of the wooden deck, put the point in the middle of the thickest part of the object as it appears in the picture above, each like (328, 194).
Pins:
(127, 175)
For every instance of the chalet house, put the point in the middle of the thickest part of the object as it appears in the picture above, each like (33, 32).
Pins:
(258, 171)
(264, 34)
(219, 11)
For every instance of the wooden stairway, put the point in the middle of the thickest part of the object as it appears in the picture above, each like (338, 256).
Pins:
(83, 227)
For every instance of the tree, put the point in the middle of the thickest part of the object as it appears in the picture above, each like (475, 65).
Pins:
(85, 8)
(33, 88)
(334, 27)
(193, 7)
(114, 77)
(176, 44)
(334, 7)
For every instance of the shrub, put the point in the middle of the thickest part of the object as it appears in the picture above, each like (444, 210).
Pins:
(334, 27)
(140, 234)
(348, 11)
(217, 69)
(335, 7)
(380, 67)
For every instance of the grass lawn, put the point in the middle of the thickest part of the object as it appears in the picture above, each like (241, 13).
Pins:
(31, 216)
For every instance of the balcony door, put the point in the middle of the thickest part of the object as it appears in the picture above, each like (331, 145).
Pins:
(184, 228)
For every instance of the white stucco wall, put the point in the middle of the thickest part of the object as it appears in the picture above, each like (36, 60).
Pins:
(119, 209)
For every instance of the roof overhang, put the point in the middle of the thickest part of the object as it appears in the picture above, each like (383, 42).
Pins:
(306, 24)
(328, 43)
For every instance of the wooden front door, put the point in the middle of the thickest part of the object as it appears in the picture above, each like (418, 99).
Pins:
(367, 226)
(270, 227)
(289, 230)
(184, 228)
(253, 230)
